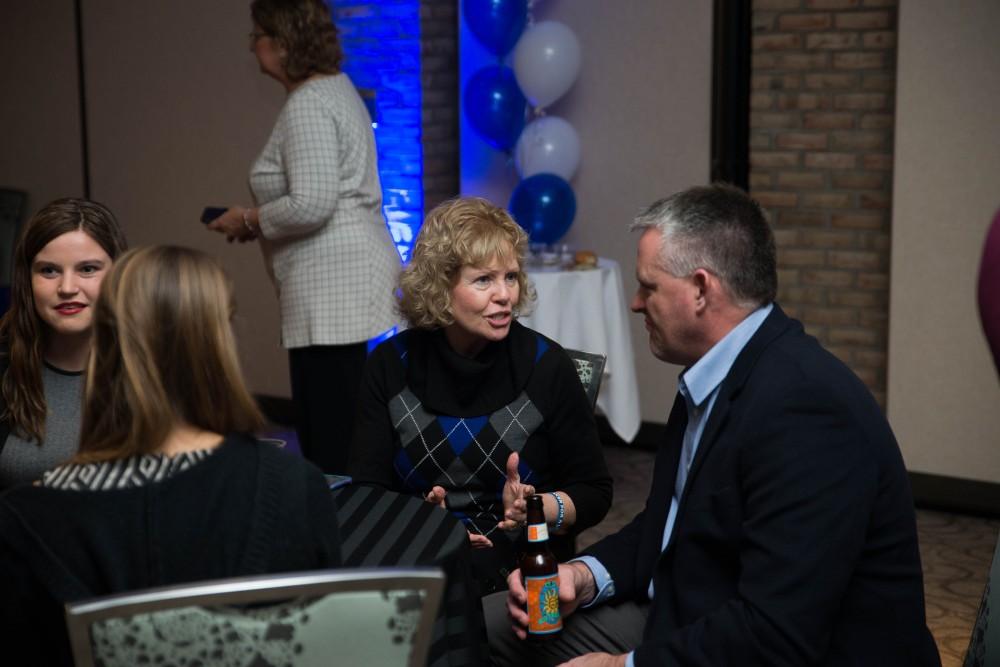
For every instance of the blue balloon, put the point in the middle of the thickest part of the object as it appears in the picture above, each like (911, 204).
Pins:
(494, 106)
(497, 24)
(544, 204)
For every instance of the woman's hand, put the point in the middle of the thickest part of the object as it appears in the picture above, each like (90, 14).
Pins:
(436, 496)
(479, 541)
(515, 495)
(233, 224)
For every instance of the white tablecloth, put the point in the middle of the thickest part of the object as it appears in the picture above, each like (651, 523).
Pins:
(586, 310)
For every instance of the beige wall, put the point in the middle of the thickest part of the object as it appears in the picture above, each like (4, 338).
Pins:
(943, 393)
(178, 110)
(642, 109)
(39, 109)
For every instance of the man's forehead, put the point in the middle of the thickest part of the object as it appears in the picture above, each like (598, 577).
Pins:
(650, 248)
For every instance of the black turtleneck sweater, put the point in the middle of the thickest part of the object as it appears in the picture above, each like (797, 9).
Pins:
(429, 416)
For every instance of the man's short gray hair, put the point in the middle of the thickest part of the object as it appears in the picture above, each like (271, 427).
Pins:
(720, 228)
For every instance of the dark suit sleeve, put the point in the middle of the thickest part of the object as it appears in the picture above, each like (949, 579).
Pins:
(617, 553)
(372, 450)
(629, 554)
(808, 479)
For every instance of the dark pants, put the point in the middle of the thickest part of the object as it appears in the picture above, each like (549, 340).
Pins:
(604, 628)
(326, 382)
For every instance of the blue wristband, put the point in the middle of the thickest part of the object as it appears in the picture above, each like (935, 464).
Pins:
(562, 510)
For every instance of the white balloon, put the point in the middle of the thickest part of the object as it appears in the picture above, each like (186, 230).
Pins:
(548, 145)
(546, 62)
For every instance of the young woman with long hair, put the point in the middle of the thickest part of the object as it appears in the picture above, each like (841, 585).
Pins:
(169, 484)
(62, 255)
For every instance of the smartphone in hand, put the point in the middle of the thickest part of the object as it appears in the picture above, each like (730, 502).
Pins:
(210, 213)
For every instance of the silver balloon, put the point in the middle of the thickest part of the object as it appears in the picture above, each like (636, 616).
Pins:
(548, 145)
(546, 62)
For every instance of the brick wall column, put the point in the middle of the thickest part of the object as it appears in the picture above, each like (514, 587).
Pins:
(439, 108)
(403, 56)
(821, 131)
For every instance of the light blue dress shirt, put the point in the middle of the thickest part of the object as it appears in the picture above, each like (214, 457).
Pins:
(699, 385)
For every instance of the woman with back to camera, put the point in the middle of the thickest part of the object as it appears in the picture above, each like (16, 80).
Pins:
(318, 215)
(168, 486)
(472, 410)
(61, 257)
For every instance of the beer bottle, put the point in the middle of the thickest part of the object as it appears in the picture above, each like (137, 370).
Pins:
(541, 576)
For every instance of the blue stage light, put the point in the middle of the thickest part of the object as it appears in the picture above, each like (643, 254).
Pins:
(381, 42)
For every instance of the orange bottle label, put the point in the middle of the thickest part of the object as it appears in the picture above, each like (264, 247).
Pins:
(538, 532)
(543, 604)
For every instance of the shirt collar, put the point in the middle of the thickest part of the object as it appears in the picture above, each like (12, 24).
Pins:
(699, 381)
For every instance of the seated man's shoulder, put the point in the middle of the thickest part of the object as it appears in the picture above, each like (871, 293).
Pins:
(803, 383)
(801, 362)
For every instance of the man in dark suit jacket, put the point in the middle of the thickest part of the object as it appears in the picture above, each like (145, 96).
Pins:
(779, 529)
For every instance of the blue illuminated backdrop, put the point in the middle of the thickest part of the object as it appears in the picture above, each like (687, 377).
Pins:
(381, 42)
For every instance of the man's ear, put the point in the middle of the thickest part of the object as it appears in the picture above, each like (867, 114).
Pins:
(705, 283)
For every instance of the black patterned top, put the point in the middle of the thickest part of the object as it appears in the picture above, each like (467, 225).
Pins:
(429, 416)
(246, 508)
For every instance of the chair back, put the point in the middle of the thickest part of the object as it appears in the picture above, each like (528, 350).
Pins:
(590, 369)
(984, 647)
(344, 617)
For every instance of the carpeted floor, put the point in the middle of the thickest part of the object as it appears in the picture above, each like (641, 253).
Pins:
(956, 552)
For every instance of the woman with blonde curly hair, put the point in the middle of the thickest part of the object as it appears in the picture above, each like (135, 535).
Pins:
(317, 213)
(472, 410)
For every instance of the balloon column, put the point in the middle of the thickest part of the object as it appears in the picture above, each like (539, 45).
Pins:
(546, 150)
